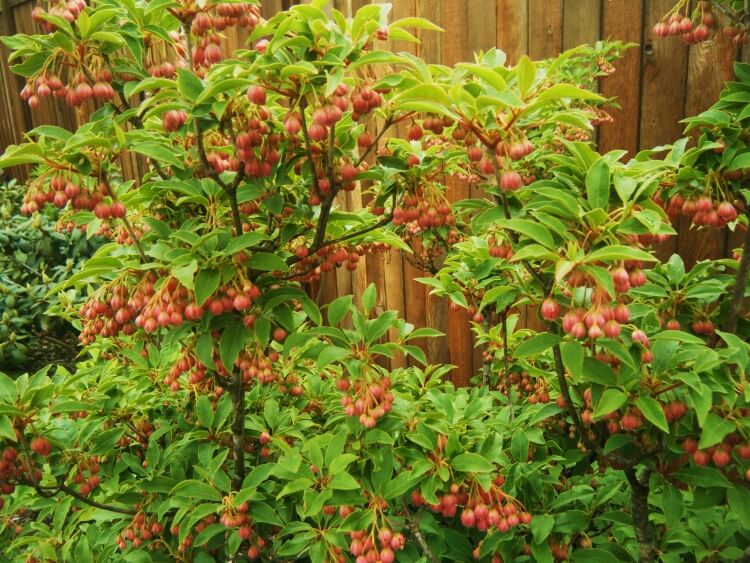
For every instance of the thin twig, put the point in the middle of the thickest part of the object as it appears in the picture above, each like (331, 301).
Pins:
(375, 142)
(504, 318)
(414, 529)
(740, 285)
(238, 427)
(732, 16)
(64, 488)
(125, 221)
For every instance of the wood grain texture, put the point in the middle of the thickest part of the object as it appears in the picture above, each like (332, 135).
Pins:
(622, 20)
(13, 113)
(482, 30)
(454, 20)
(664, 79)
(709, 66)
(581, 22)
(545, 28)
(512, 23)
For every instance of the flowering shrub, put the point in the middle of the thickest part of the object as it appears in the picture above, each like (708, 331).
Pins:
(222, 414)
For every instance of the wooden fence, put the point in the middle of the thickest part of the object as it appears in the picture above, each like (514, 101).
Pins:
(657, 84)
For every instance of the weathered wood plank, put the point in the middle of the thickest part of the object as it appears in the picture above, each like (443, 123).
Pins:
(709, 66)
(581, 22)
(512, 28)
(545, 28)
(454, 20)
(622, 20)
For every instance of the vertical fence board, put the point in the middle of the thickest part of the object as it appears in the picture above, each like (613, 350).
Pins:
(581, 22)
(482, 30)
(709, 65)
(622, 19)
(545, 40)
(664, 72)
(512, 33)
(545, 28)
(454, 20)
(13, 115)
(435, 308)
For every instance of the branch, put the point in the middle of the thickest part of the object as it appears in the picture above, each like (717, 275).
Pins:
(231, 192)
(731, 15)
(505, 360)
(503, 200)
(740, 285)
(414, 529)
(375, 142)
(238, 427)
(61, 487)
(308, 144)
(565, 390)
(125, 222)
(64, 488)
(639, 512)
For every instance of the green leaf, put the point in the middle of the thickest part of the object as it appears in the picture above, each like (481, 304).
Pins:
(206, 534)
(341, 462)
(610, 401)
(206, 284)
(185, 273)
(159, 153)
(653, 412)
(559, 91)
(429, 93)
(6, 428)
(471, 463)
(530, 229)
(714, 430)
(572, 355)
(231, 344)
(487, 74)
(267, 262)
(369, 297)
(526, 73)
(193, 488)
(343, 481)
(108, 37)
(541, 527)
(204, 411)
(295, 486)
(189, 85)
(213, 90)
(740, 161)
(598, 184)
(702, 477)
(675, 269)
(418, 23)
(593, 556)
(261, 512)
(537, 344)
(331, 354)
(28, 153)
(338, 309)
(701, 399)
(672, 505)
(739, 502)
(519, 446)
(8, 392)
(616, 253)
(244, 241)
